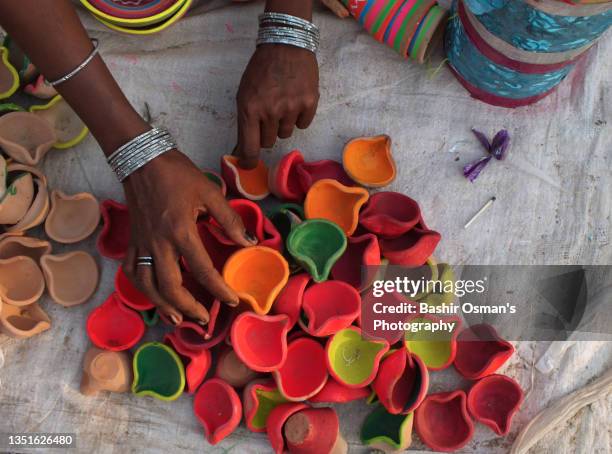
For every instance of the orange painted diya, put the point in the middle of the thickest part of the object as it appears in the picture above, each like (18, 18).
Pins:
(249, 183)
(369, 161)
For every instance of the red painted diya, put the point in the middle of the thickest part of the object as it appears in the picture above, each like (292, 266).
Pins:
(314, 430)
(218, 408)
(112, 326)
(217, 245)
(257, 224)
(480, 351)
(390, 214)
(311, 172)
(196, 362)
(329, 307)
(402, 382)
(335, 392)
(304, 372)
(114, 238)
(197, 337)
(260, 341)
(413, 248)
(442, 421)
(276, 420)
(259, 398)
(494, 400)
(361, 251)
(283, 178)
(130, 295)
(289, 300)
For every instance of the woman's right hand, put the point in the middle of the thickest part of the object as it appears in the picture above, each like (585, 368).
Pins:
(165, 198)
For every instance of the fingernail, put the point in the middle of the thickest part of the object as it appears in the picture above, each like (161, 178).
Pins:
(174, 319)
(202, 322)
(232, 303)
(250, 237)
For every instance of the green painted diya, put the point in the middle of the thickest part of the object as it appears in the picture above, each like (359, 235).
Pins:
(316, 244)
(386, 432)
(150, 317)
(443, 294)
(158, 372)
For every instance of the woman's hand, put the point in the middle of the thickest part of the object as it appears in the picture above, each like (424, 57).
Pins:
(278, 91)
(165, 198)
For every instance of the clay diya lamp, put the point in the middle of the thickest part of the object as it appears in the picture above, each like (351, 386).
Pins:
(25, 137)
(283, 219)
(481, 351)
(257, 274)
(314, 430)
(387, 432)
(390, 214)
(402, 382)
(335, 392)
(158, 372)
(21, 281)
(352, 360)
(328, 199)
(150, 317)
(446, 277)
(310, 172)
(218, 408)
(493, 401)
(198, 337)
(260, 341)
(9, 78)
(283, 178)
(232, 370)
(316, 245)
(71, 278)
(442, 421)
(259, 398)
(358, 264)
(289, 300)
(329, 307)
(69, 128)
(195, 362)
(218, 246)
(216, 179)
(112, 326)
(21, 322)
(276, 422)
(130, 295)
(436, 349)
(40, 88)
(303, 374)
(249, 183)
(369, 161)
(413, 248)
(72, 218)
(106, 371)
(16, 198)
(114, 238)
(13, 246)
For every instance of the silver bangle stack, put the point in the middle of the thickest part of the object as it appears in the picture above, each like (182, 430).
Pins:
(139, 151)
(279, 28)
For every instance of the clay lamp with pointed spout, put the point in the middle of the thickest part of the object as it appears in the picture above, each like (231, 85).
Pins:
(481, 351)
(390, 214)
(218, 246)
(289, 300)
(257, 274)
(387, 432)
(218, 408)
(40, 88)
(113, 326)
(283, 178)
(9, 78)
(106, 371)
(197, 337)
(195, 362)
(314, 430)
(259, 398)
(217, 179)
(442, 421)
(436, 349)
(362, 256)
(130, 295)
(310, 172)
(335, 392)
(494, 400)
(114, 238)
(368, 317)
(158, 372)
(232, 369)
(72, 278)
(248, 183)
(25, 137)
(369, 161)
(441, 294)
(72, 218)
(276, 422)
(329, 307)
(413, 248)
(328, 199)
(14, 246)
(352, 360)
(69, 128)
(21, 322)
(16, 197)
(21, 281)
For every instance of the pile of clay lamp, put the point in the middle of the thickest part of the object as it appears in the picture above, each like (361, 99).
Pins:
(27, 265)
(297, 338)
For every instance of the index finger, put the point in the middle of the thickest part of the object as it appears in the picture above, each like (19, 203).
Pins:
(249, 142)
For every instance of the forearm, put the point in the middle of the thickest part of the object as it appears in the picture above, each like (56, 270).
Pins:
(51, 34)
(299, 8)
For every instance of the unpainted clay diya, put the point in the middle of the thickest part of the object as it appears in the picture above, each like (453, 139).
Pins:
(387, 432)
(195, 362)
(71, 278)
(13, 246)
(311, 172)
(413, 248)
(260, 341)
(289, 300)
(130, 295)
(304, 373)
(249, 183)
(9, 78)
(69, 128)
(402, 382)
(231, 369)
(359, 262)
(314, 430)
(112, 326)
(218, 408)
(114, 238)
(257, 274)
(158, 372)
(40, 88)
(317, 244)
(72, 218)
(276, 421)
(481, 351)
(335, 392)
(436, 349)
(259, 398)
(369, 161)
(494, 400)
(390, 214)
(106, 371)
(21, 281)
(216, 179)
(442, 421)
(328, 199)
(352, 360)
(25, 137)
(21, 322)
(283, 178)
(329, 307)
(16, 198)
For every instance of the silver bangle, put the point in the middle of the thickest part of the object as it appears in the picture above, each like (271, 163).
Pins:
(78, 69)
(279, 28)
(287, 19)
(289, 32)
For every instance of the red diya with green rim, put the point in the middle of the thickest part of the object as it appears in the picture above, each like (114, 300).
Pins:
(481, 351)
(114, 238)
(335, 392)
(218, 408)
(113, 326)
(259, 398)
(387, 432)
(196, 362)
(158, 372)
(436, 349)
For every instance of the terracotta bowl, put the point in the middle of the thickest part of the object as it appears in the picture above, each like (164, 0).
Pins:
(72, 217)
(276, 421)
(112, 326)
(283, 178)
(16, 199)
(21, 281)
(130, 295)
(13, 246)
(335, 392)
(314, 430)
(260, 397)
(25, 137)
(72, 278)
(289, 300)
(231, 369)
(69, 128)
(436, 349)
(310, 172)
(480, 351)
(359, 262)
(412, 248)
(106, 371)
(251, 184)
(390, 214)
(369, 161)
(158, 372)
(387, 432)
(21, 322)
(218, 408)
(114, 238)
(195, 362)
